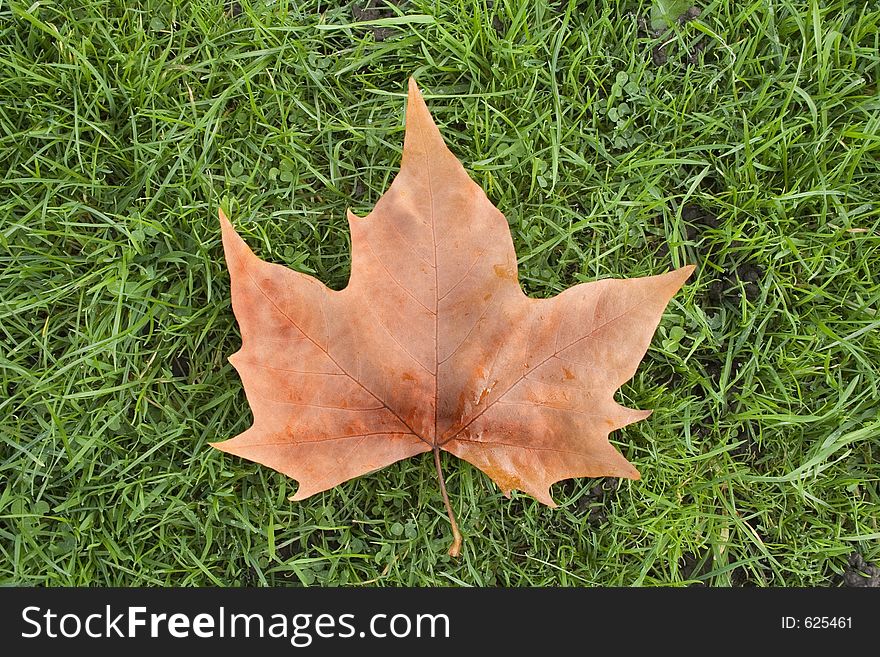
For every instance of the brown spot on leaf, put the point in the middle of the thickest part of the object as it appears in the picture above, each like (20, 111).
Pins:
(503, 271)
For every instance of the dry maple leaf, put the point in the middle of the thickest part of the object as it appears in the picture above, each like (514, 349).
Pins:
(433, 345)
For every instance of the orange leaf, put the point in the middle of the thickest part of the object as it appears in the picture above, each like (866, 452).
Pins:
(434, 346)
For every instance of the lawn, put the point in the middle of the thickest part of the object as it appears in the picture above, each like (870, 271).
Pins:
(745, 141)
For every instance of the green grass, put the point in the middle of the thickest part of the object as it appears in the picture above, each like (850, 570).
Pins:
(753, 152)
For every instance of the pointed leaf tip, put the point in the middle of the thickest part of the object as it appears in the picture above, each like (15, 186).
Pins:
(226, 228)
(681, 275)
(415, 103)
(686, 272)
(423, 144)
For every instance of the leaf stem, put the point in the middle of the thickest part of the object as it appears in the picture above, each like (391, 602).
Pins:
(455, 548)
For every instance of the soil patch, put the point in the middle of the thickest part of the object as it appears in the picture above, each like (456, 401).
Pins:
(861, 573)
